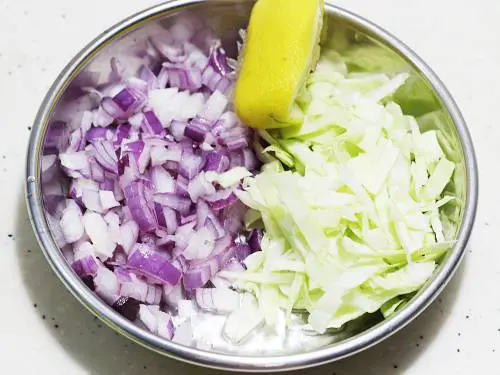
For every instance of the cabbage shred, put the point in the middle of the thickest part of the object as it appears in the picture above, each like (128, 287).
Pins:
(349, 201)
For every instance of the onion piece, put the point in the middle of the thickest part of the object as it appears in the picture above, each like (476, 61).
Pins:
(200, 187)
(135, 195)
(183, 235)
(86, 266)
(200, 272)
(200, 246)
(205, 217)
(255, 239)
(162, 180)
(141, 290)
(241, 323)
(156, 321)
(197, 130)
(97, 229)
(182, 76)
(148, 262)
(71, 222)
(184, 334)
(214, 107)
(107, 285)
(242, 251)
(222, 282)
(218, 300)
(217, 162)
(190, 165)
(221, 199)
(172, 296)
(151, 123)
(75, 164)
(105, 155)
(108, 199)
(180, 204)
(113, 220)
(129, 232)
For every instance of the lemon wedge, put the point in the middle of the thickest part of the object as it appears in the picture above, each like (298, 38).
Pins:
(280, 50)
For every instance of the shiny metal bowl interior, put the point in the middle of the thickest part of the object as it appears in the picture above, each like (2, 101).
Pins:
(224, 18)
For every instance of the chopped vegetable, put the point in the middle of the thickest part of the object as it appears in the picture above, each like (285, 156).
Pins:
(152, 215)
(353, 223)
(281, 48)
(218, 300)
(240, 324)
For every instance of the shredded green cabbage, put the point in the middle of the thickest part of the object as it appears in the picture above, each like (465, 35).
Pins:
(350, 199)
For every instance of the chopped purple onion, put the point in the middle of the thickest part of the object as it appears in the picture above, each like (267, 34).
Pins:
(148, 76)
(182, 76)
(217, 161)
(139, 207)
(197, 129)
(148, 262)
(105, 155)
(124, 99)
(85, 267)
(241, 251)
(218, 59)
(200, 272)
(190, 165)
(151, 123)
(177, 129)
(138, 185)
(173, 201)
(221, 199)
(255, 239)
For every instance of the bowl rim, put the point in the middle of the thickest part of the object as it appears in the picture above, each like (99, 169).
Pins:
(220, 361)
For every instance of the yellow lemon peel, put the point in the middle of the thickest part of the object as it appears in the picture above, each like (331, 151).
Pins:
(280, 50)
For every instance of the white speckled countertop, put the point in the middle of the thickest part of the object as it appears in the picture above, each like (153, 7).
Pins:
(44, 330)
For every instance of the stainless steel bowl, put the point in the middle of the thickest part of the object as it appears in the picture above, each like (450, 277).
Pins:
(224, 18)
